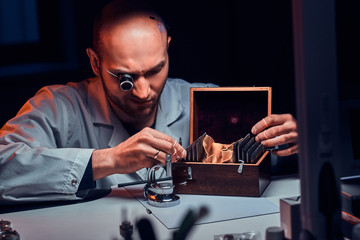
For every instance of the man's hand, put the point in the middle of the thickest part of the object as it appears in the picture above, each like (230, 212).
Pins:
(144, 149)
(277, 130)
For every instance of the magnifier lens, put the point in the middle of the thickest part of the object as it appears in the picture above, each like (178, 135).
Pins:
(126, 82)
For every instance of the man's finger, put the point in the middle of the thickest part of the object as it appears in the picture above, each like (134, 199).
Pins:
(274, 132)
(271, 120)
(286, 152)
(166, 144)
(280, 140)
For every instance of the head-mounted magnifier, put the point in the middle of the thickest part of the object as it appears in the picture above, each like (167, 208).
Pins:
(126, 80)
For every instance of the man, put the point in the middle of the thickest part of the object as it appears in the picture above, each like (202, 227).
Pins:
(69, 139)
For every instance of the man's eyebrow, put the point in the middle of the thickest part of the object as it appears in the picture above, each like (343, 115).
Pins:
(160, 64)
(121, 71)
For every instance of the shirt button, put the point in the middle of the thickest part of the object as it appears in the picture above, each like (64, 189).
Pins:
(74, 182)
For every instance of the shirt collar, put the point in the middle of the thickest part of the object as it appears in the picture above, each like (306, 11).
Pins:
(170, 107)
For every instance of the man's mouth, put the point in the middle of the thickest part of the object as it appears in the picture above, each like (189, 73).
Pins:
(142, 102)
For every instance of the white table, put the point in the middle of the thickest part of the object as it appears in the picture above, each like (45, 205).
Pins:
(100, 219)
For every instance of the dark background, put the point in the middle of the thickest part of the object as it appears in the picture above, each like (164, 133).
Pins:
(230, 43)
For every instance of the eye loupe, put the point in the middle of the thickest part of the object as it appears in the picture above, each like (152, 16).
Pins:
(126, 82)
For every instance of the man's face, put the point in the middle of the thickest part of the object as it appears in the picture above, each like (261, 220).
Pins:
(138, 48)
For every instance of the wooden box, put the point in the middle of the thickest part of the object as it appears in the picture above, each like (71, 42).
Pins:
(226, 114)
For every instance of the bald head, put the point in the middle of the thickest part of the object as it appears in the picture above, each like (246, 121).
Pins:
(130, 38)
(130, 16)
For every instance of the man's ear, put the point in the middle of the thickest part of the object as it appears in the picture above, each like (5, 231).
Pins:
(168, 41)
(94, 61)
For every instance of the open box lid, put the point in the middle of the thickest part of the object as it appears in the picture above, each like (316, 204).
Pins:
(227, 113)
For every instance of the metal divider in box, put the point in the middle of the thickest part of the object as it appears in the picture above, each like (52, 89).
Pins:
(245, 150)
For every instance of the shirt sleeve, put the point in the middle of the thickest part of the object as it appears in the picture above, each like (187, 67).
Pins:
(45, 150)
(87, 181)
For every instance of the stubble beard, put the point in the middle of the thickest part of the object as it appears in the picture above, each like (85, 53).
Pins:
(139, 113)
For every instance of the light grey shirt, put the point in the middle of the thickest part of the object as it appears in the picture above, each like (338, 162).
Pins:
(45, 149)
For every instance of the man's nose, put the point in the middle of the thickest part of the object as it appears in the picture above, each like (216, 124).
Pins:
(141, 88)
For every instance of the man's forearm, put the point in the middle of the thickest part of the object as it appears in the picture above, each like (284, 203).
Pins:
(102, 163)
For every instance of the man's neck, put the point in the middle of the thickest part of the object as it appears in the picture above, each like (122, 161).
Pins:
(131, 130)
(135, 123)
(139, 125)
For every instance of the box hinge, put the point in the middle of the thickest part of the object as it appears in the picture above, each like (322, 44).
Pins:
(241, 166)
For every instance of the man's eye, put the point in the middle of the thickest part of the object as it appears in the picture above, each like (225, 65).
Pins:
(119, 75)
